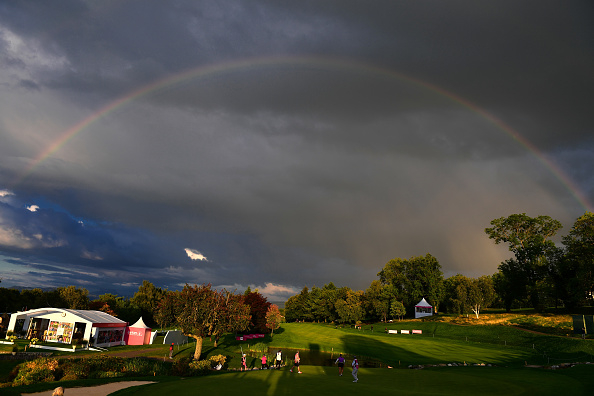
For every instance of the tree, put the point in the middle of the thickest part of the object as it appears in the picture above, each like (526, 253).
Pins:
(273, 318)
(10, 300)
(201, 311)
(75, 298)
(168, 309)
(378, 298)
(231, 315)
(147, 298)
(528, 238)
(297, 307)
(481, 293)
(577, 266)
(350, 309)
(97, 305)
(457, 294)
(413, 279)
(397, 309)
(258, 308)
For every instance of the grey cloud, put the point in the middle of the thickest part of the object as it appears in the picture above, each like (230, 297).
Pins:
(354, 133)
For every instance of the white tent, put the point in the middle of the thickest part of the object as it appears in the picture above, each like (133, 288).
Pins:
(65, 325)
(423, 308)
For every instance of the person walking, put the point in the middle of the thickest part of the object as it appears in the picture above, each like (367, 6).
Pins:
(296, 363)
(171, 351)
(279, 358)
(340, 362)
(243, 363)
(355, 366)
(264, 365)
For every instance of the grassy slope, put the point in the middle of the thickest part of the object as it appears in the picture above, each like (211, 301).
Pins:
(440, 343)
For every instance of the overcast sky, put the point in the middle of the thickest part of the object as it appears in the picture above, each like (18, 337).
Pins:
(282, 144)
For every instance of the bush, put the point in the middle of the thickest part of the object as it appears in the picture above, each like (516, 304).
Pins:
(38, 370)
(259, 347)
(141, 366)
(181, 367)
(75, 369)
(202, 367)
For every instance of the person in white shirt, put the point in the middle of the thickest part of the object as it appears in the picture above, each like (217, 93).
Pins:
(355, 366)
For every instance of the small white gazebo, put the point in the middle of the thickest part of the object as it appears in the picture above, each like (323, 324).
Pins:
(423, 308)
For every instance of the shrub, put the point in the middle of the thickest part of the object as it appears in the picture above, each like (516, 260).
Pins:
(202, 367)
(75, 369)
(142, 366)
(109, 374)
(259, 347)
(181, 367)
(38, 370)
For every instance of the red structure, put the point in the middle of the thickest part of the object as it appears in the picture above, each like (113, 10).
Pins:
(138, 334)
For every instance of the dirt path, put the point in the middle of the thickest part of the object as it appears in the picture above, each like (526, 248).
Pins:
(99, 390)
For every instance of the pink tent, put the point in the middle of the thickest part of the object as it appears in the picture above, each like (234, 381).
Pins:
(138, 334)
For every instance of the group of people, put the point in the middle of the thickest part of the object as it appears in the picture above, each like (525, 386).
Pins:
(297, 360)
(264, 360)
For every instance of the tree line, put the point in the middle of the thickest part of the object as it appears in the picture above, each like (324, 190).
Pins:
(200, 311)
(142, 303)
(541, 274)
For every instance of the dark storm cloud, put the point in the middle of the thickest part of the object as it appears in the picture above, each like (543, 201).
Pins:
(329, 138)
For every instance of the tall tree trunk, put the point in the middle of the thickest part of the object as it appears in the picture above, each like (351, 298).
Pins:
(198, 350)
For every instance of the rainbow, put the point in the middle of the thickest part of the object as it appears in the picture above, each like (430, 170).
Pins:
(318, 62)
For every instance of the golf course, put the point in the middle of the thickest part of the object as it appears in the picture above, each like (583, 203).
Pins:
(444, 359)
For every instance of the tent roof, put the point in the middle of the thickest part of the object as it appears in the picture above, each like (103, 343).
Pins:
(86, 315)
(423, 303)
(140, 324)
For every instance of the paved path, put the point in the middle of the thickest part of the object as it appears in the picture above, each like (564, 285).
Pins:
(99, 390)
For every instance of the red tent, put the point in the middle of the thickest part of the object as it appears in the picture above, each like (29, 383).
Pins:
(138, 334)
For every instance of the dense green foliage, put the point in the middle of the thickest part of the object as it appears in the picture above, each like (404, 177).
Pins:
(540, 272)
(201, 312)
(540, 275)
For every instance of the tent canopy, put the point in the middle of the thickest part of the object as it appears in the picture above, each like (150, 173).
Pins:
(423, 303)
(140, 324)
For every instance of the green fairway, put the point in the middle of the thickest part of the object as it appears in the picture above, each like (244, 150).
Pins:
(439, 343)
(439, 381)
(503, 349)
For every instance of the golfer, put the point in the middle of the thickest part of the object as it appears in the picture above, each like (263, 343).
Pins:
(243, 363)
(296, 364)
(264, 365)
(340, 362)
(355, 366)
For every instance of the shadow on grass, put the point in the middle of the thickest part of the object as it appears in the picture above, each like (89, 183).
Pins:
(367, 347)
